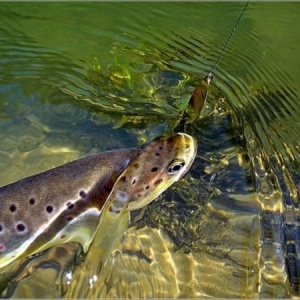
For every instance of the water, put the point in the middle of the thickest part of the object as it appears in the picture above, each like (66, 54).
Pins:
(74, 75)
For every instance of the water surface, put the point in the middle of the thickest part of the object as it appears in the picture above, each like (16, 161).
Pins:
(78, 78)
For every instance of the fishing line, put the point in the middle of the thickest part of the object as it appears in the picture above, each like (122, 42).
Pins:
(199, 95)
(210, 75)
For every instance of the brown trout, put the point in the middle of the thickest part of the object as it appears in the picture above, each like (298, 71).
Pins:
(161, 162)
(47, 209)
(64, 204)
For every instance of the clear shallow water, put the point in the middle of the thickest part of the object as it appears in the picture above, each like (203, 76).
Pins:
(74, 75)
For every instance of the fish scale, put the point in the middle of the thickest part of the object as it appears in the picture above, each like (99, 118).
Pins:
(64, 204)
(34, 210)
(161, 162)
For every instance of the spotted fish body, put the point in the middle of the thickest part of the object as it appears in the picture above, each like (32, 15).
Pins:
(59, 205)
(161, 162)
(64, 204)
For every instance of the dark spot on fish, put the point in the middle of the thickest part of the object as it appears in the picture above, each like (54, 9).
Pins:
(13, 208)
(62, 236)
(147, 187)
(49, 209)
(107, 189)
(157, 154)
(133, 181)
(71, 206)
(136, 165)
(154, 169)
(69, 219)
(123, 178)
(160, 148)
(32, 201)
(69, 203)
(1, 228)
(158, 181)
(82, 194)
(139, 195)
(21, 227)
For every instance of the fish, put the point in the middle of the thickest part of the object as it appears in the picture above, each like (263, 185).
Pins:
(161, 163)
(59, 205)
(64, 204)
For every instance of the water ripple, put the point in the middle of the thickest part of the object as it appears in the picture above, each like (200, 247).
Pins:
(151, 66)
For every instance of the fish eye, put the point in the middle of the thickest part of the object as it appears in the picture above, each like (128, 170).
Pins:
(175, 166)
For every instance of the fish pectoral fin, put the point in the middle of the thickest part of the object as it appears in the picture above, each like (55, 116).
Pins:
(80, 230)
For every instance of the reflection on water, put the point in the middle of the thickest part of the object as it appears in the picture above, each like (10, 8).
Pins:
(73, 78)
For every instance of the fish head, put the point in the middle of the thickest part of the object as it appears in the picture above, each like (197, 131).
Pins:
(162, 161)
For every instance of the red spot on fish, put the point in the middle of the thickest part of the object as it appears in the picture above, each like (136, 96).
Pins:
(2, 248)
(62, 236)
